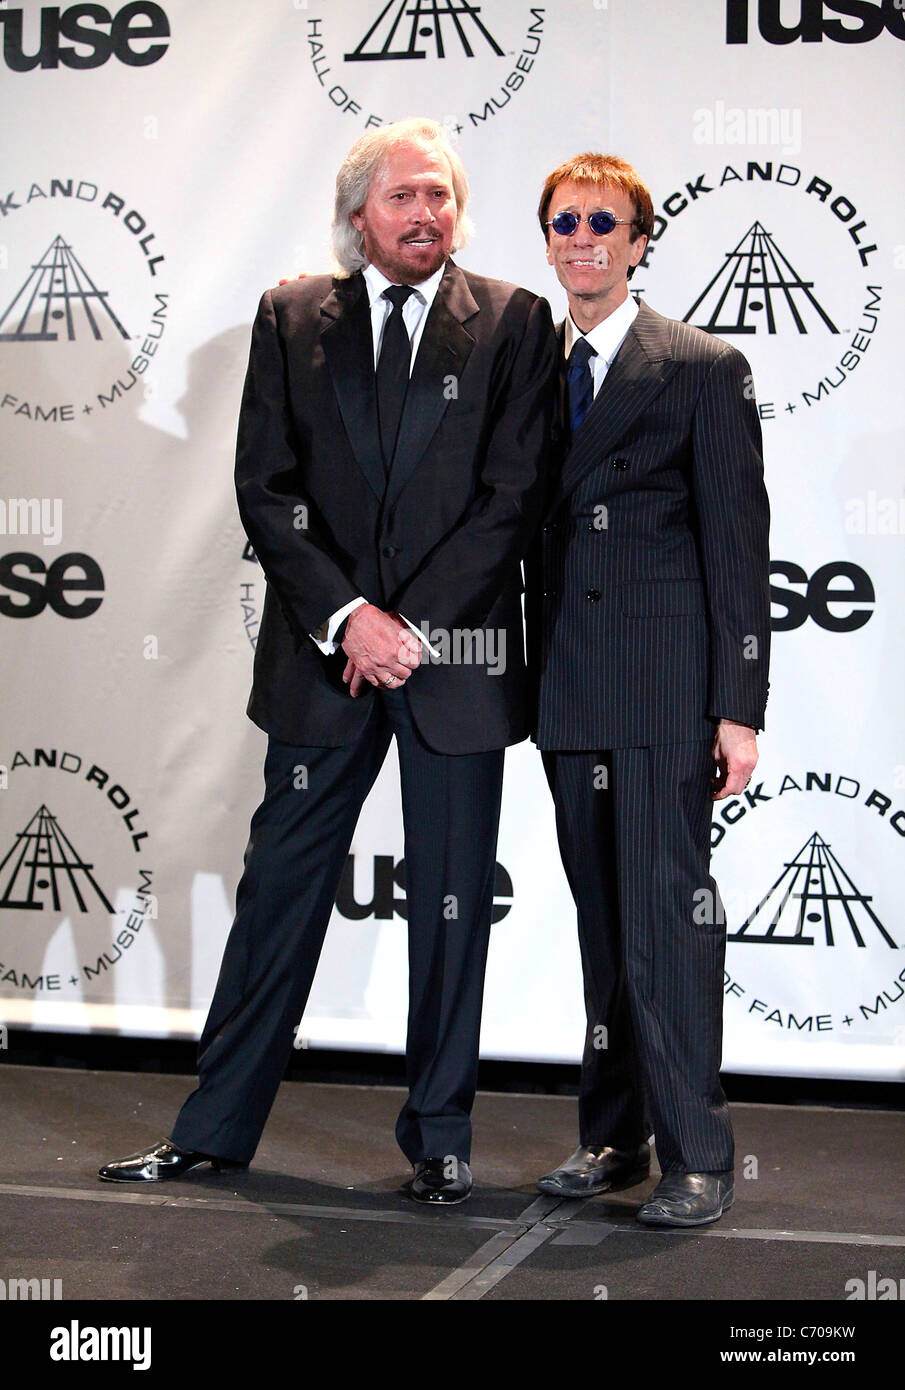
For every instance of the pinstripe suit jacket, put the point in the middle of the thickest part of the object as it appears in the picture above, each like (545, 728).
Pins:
(648, 594)
(442, 541)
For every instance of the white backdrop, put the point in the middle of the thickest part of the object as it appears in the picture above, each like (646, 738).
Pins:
(161, 182)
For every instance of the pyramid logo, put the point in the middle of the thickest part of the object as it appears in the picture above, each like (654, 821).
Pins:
(58, 293)
(402, 24)
(754, 288)
(810, 890)
(43, 865)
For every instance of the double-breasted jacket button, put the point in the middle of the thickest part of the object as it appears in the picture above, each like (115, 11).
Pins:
(593, 596)
(622, 463)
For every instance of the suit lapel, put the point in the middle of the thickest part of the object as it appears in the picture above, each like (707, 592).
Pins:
(443, 351)
(640, 369)
(349, 350)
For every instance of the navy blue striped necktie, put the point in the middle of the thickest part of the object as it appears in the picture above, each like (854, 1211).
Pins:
(580, 382)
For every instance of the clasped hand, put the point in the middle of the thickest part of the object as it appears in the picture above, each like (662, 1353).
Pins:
(381, 649)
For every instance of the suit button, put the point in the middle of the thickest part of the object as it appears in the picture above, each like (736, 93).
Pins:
(593, 596)
(549, 593)
(390, 550)
(621, 463)
(550, 526)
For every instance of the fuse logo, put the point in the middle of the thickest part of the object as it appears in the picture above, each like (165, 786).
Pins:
(859, 20)
(132, 35)
(839, 597)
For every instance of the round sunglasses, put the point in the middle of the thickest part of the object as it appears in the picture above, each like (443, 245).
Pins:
(565, 223)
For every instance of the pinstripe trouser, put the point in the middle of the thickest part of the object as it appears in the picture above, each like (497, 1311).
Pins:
(634, 833)
(296, 852)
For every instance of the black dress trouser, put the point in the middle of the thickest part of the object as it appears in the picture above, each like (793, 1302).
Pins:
(299, 840)
(634, 835)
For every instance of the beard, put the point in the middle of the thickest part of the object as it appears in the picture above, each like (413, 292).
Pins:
(410, 268)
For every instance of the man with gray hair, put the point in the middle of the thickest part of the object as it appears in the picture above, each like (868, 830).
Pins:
(389, 475)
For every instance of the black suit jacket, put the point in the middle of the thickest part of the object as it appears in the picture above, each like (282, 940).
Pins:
(441, 542)
(649, 608)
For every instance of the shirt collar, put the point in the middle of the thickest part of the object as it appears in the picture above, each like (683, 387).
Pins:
(607, 338)
(377, 282)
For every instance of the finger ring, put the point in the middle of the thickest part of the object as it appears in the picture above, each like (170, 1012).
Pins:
(388, 680)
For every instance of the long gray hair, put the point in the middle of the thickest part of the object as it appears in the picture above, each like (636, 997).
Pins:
(359, 167)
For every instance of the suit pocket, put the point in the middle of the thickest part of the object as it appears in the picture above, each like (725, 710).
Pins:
(662, 598)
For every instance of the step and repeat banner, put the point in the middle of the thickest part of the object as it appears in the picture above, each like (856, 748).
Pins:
(163, 164)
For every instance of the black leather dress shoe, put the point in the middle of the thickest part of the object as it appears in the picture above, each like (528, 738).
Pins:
(441, 1181)
(590, 1171)
(688, 1199)
(161, 1162)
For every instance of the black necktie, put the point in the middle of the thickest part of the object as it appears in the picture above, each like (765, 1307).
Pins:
(581, 382)
(393, 372)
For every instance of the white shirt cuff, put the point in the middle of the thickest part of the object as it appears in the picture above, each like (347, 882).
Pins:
(323, 636)
(418, 633)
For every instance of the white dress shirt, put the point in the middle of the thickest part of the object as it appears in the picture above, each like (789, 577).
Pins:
(414, 310)
(414, 316)
(606, 339)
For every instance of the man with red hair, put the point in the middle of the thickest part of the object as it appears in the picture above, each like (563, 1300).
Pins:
(649, 640)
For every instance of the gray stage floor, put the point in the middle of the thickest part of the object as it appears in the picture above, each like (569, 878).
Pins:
(320, 1214)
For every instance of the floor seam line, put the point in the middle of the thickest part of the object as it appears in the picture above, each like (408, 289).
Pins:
(743, 1233)
(555, 1214)
(492, 1261)
(250, 1206)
